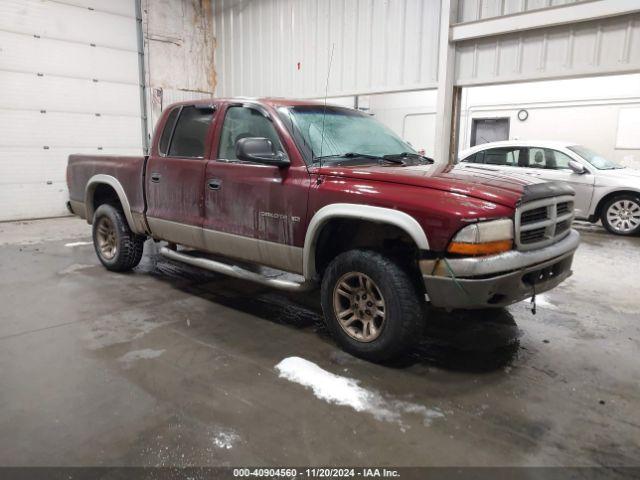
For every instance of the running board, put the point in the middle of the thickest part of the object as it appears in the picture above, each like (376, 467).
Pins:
(237, 271)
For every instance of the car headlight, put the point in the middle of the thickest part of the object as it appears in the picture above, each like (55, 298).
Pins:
(483, 238)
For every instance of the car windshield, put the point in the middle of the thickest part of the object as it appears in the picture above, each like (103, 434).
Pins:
(341, 135)
(594, 159)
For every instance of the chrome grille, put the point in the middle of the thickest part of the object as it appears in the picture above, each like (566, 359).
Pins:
(543, 222)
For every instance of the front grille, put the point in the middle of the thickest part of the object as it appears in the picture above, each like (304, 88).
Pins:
(533, 236)
(543, 222)
(534, 215)
(564, 207)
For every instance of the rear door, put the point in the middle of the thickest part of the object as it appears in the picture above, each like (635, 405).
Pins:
(174, 180)
(501, 159)
(255, 212)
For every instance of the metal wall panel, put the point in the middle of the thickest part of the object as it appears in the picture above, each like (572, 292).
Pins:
(69, 83)
(26, 91)
(283, 47)
(610, 45)
(472, 10)
(71, 23)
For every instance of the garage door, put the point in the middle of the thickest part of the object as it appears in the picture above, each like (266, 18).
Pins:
(69, 83)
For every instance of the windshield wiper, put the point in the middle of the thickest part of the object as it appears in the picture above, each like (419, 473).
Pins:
(351, 155)
(397, 157)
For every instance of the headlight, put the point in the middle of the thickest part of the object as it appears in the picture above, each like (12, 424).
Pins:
(483, 238)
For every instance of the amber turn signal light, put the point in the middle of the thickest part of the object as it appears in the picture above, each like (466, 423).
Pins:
(488, 248)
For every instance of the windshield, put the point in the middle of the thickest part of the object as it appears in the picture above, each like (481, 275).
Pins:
(342, 135)
(594, 159)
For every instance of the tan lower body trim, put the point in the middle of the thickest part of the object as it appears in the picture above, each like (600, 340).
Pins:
(272, 254)
(78, 208)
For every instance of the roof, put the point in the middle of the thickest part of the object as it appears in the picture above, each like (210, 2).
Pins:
(519, 143)
(272, 101)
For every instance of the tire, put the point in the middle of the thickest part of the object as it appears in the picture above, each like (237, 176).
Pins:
(117, 247)
(390, 335)
(621, 214)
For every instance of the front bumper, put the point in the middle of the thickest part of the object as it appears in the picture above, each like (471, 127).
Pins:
(498, 280)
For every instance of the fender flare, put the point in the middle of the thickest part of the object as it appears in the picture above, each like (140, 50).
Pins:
(113, 182)
(370, 213)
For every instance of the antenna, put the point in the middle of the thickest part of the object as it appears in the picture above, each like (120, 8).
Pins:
(326, 91)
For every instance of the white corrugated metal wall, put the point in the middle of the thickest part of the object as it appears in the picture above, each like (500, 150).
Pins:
(610, 45)
(472, 10)
(69, 83)
(282, 47)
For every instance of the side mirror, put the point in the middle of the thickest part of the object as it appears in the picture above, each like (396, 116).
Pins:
(260, 150)
(577, 167)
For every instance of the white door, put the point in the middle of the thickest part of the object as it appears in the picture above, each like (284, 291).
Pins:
(553, 165)
(69, 83)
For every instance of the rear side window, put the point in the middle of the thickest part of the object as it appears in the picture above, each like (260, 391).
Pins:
(475, 158)
(166, 133)
(190, 134)
(502, 156)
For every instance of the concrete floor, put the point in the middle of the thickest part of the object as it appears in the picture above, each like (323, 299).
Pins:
(173, 366)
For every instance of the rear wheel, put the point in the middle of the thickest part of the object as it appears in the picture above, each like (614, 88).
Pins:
(621, 215)
(371, 306)
(117, 247)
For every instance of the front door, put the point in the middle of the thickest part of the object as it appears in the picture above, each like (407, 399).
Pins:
(553, 165)
(174, 179)
(255, 212)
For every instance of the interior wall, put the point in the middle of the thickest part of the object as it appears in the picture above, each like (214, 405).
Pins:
(179, 53)
(602, 113)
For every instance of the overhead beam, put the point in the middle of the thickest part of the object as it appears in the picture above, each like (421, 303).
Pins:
(546, 17)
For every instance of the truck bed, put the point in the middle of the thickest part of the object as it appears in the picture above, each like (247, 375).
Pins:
(127, 170)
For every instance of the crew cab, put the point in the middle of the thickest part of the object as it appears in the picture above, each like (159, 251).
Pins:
(300, 195)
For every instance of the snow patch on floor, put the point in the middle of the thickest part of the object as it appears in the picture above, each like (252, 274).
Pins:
(346, 391)
(225, 439)
(135, 355)
(77, 244)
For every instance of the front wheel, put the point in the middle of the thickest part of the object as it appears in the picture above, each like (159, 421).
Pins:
(117, 247)
(621, 215)
(371, 306)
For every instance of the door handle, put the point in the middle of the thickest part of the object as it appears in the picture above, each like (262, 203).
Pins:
(155, 177)
(214, 184)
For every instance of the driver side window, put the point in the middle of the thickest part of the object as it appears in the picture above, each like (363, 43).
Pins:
(243, 122)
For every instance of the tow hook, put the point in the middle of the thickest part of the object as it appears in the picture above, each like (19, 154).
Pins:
(533, 300)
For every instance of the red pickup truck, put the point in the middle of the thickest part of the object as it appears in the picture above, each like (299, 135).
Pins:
(299, 195)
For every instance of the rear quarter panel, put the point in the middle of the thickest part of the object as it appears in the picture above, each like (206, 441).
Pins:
(127, 170)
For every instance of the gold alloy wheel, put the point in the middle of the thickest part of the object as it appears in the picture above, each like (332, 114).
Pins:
(359, 306)
(106, 238)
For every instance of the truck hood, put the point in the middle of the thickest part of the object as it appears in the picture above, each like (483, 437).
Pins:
(485, 185)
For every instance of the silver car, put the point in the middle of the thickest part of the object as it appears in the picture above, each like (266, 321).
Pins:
(604, 190)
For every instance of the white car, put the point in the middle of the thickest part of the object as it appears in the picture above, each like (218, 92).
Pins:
(604, 190)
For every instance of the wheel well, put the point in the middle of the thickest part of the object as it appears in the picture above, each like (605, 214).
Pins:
(342, 234)
(608, 197)
(104, 193)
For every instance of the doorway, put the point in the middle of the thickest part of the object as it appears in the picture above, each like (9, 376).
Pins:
(485, 130)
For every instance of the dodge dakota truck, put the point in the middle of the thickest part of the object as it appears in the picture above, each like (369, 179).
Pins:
(299, 195)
